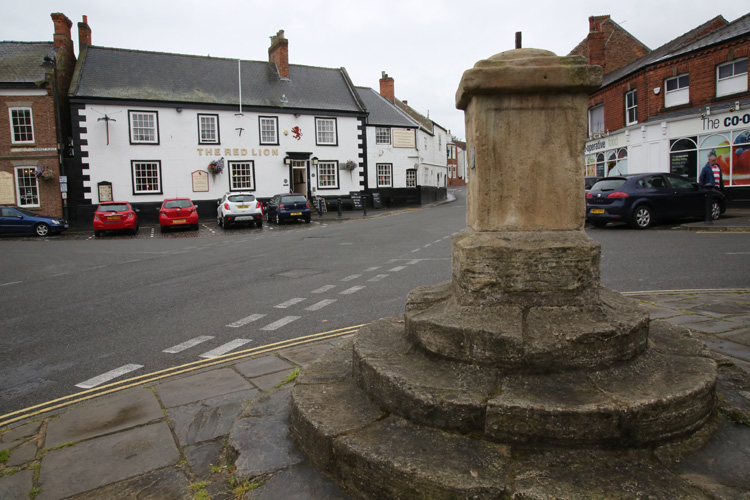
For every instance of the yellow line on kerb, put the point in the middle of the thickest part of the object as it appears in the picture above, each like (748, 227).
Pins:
(56, 404)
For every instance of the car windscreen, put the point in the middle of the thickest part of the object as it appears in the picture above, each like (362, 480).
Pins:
(178, 204)
(119, 207)
(293, 199)
(609, 184)
(241, 198)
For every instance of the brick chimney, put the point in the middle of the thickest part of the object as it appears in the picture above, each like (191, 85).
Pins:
(387, 89)
(278, 53)
(597, 40)
(84, 34)
(62, 29)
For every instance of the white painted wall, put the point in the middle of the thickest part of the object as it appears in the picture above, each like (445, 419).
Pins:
(180, 152)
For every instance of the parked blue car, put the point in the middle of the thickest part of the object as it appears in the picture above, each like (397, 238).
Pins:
(20, 220)
(640, 199)
(287, 206)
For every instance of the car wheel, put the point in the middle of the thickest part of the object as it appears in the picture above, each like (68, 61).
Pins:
(278, 218)
(196, 227)
(599, 223)
(220, 221)
(163, 229)
(307, 220)
(41, 229)
(268, 217)
(715, 210)
(259, 222)
(224, 223)
(642, 217)
(97, 234)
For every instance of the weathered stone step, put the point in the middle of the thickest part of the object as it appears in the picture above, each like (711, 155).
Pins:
(666, 392)
(376, 455)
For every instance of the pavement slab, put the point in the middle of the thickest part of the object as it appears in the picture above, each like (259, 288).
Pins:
(301, 482)
(164, 484)
(270, 381)
(19, 433)
(201, 386)
(202, 456)
(97, 462)
(262, 366)
(208, 419)
(123, 410)
(23, 454)
(306, 354)
(16, 486)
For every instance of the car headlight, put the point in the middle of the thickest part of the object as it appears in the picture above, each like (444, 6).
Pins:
(55, 222)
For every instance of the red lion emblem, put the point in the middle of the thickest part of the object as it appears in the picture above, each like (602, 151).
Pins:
(297, 133)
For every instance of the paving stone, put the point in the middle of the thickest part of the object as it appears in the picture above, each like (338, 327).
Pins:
(23, 454)
(720, 309)
(300, 482)
(715, 326)
(305, 355)
(202, 456)
(165, 484)
(20, 433)
(729, 348)
(105, 415)
(263, 443)
(106, 460)
(270, 381)
(201, 386)
(656, 312)
(262, 366)
(737, 336)
(17, 486)
(208, 419)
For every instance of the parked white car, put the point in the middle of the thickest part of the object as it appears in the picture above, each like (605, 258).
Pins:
(239, 208)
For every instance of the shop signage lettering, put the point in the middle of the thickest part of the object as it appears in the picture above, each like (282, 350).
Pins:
(729, 121)
(595, 146)
(238, 152)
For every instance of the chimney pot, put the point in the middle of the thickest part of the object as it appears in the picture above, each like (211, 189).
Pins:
(62, 29)
(387, 89)
(84, 34)
(278, 53)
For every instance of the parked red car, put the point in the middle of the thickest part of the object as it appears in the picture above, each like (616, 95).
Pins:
(178, 212)
(115, 216)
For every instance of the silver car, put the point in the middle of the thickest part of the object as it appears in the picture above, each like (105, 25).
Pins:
(239, 208)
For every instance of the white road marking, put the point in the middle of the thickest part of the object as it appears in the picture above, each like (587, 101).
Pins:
(282, 322)
(106, 377)
(397, 269)
(378, 277)
(244, 321)
(370, 269)
(229, 346)
(187, 345)
(289, 303)
(413, 261)
(320, 305)
(352, 277)
(351, 290)
(324, 289)
(11, 283)
(416, 250)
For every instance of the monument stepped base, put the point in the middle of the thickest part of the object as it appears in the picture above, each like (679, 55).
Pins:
(389, 420)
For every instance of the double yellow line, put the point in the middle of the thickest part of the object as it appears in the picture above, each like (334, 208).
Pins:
(55, 404)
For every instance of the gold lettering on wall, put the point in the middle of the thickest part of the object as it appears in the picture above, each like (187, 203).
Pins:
(242, 152)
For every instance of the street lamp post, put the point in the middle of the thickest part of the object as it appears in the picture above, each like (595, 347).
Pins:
(52, 62)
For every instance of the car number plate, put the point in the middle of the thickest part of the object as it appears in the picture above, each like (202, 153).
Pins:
(243, 206)
(296, 213)
(113, 217)
(178, 220)
(243, 218)
(597, 210)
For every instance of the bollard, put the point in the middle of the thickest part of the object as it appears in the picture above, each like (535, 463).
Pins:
(339, 207)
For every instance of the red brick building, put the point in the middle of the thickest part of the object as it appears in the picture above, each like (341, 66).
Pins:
(668, 109)
(31, 146)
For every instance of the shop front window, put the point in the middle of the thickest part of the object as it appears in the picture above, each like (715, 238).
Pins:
(683, 157)
(27, 186)
(740, 171)
(617, 162)
(720, 145)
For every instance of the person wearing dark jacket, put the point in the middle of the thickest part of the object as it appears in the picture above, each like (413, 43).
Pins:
(711, 178)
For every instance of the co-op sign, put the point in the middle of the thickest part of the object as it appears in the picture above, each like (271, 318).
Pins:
(728, 121)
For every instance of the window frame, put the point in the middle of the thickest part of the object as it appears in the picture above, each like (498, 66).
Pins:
(388, 174)
(131, 128)
(678, 96)
(275, 120)
(201, 139)
(134, 177)
(734, 84)
(334, 165)
(33, 185)
(380, 135)
(411, 172)
(318, 131)
(631, 108)
(592, 110)
(15, 128)
(231, 165)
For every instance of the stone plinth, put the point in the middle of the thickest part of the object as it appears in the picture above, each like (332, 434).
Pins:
(486, 378)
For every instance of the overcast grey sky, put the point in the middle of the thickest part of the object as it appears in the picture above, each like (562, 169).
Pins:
(425, 45)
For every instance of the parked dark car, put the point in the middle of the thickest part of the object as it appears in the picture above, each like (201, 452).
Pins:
(115, 216)
(287, 206)
(590, 181)
(639, 199)
(20, 220)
